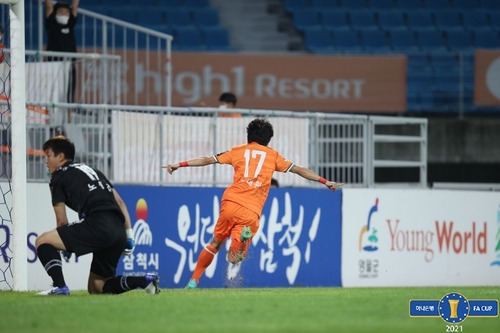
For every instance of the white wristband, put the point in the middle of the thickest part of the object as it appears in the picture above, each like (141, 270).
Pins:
(130, 233)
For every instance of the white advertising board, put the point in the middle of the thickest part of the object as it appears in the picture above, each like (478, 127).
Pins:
(397, 237)
(41, 218)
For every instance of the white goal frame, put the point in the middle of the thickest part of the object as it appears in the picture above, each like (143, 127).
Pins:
(18, 119)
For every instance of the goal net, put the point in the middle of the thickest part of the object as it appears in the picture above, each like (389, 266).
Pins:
(13, 250)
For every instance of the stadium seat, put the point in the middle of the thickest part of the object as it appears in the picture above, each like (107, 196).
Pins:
(353, 4)
(464, 4)
(324, 4)
(205, 17)
(420, 20)
(179, 18)
(459, 40)
(430, 40)
(345, 41)
(436, 4)
(170, 4)
(392, 20)
(476, 20)
(125, 14)
(448, 20)
(377, 5)
(334, 20)
(216, 38)
(293, 6)
(198, 4)
(403, 41)
(187, 39)
(488, 39)
(363, 19)
(374, 41)
(317, 40)
(422, 79)
(443, 60)
(306, 19)
(495, 19)
(490, 4)
(409, 5)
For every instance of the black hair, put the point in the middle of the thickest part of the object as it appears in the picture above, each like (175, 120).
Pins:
(228, 97)
(260, 130)
(274, 182)
(61, 144)
(61, 4)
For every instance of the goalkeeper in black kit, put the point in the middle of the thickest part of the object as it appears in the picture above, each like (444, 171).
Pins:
(104, 228)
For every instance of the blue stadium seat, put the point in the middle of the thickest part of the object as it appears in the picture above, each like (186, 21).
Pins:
(363, 19)
(476, 20)
(459, 40)
(407, 5)
(495, 19)
(196, 4)
(171, 4)
(306, 19)
(187, 39)
(318, 40)
(216, 38)
(490, 4)
(421, 79)
(382, 4)
(125, 14)
(403, 41)
(430, 40)
(179, 18)
(205, 17)
(437, 4)
(293, 6)
(448, 20)
(464, 4)
(324, 4)
(346, 41)
(353, 4)
(443, 60)
(420, 20)
(488, 39)
(334, 20)
(374, 41)
(392, 20)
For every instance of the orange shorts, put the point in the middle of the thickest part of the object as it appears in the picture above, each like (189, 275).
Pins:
(232, 218)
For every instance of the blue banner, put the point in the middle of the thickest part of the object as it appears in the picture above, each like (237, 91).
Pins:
(298, 242)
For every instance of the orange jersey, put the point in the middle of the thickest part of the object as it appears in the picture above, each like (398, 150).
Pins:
(254, 166)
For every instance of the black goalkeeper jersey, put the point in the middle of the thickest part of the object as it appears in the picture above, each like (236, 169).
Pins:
(83, 189)
(61, 38)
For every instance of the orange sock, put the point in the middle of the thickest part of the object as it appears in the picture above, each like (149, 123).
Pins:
(204, 260)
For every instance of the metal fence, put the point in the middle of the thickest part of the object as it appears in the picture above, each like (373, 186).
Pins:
(129, 143)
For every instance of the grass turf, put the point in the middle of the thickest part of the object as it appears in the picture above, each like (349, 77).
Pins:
(236, 310)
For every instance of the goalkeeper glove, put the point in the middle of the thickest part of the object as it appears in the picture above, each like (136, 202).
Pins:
(129, 249)
(66, 255)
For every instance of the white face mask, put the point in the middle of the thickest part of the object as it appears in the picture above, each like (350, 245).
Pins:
(62, 19)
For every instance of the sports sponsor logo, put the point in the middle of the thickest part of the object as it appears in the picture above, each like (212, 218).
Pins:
(454, 308)
(368, 240)
(143, 259)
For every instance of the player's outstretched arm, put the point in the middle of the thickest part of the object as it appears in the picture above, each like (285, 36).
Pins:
(200, 161)
(311, 175)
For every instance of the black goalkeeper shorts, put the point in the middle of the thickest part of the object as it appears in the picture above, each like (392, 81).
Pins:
(102, 234)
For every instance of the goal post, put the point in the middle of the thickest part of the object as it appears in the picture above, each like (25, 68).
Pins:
(18, 147)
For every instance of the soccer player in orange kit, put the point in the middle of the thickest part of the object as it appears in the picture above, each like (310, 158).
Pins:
(254, 164)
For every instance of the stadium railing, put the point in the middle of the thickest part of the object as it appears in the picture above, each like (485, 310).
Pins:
(131, 142)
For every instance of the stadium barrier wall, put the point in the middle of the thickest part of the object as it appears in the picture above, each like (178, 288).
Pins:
(308, 237)
(420, 238)
(298, 243)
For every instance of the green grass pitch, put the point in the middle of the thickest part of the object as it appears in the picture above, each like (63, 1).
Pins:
(237, 310)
